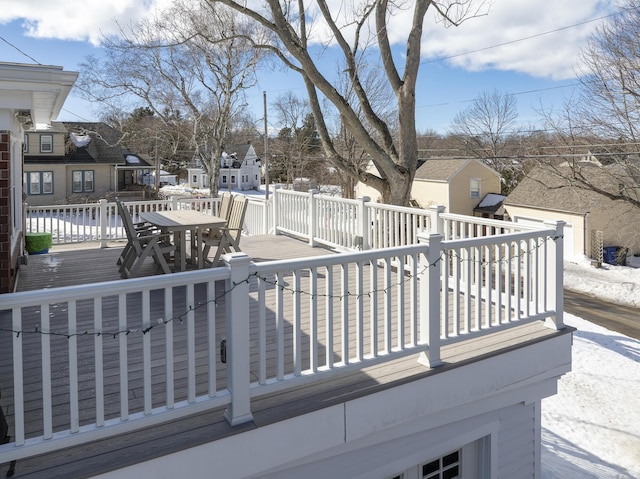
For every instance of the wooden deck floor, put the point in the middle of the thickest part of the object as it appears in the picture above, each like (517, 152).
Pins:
(75, 265)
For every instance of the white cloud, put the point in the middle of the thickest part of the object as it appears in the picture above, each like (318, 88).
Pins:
(84, 20)
(552, 55)
(545, 56)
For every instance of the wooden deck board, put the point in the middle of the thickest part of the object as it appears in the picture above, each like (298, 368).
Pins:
(83, 265)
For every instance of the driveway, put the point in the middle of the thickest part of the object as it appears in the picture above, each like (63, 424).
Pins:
(621, 319)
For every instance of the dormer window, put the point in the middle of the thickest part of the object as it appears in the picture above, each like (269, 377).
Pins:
(46, 143)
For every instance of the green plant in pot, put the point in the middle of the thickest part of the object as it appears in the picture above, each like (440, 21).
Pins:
(38, 243)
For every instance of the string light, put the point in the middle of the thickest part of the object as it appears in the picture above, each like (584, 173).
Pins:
(283, 287)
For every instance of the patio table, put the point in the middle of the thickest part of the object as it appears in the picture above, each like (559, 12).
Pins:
(179, 222)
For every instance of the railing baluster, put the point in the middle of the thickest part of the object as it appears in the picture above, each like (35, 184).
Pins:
(211, 338)
(359, 319)
(168, 347)
(297, 325)
(400, 292)
(47, 363)
(344, 320)
(373, 320)
(313, 320)
(280, 325)
(329, 319)
(74, 412)
(98, 360)
(122, 352)
(388, 317)
(146, 351)
(18, 377)
(262, 332)
(191, 344)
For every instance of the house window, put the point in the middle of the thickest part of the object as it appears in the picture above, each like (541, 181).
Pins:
(471, 461)
(224, 179)
(233, 179)
(46, 143)
(39, 182)
(194, 179)
(25, 145)
(82, 181)
(474, 187)
(445, 467)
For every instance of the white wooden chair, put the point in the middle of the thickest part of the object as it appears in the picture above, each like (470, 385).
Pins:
(227, 239)
(143, 243)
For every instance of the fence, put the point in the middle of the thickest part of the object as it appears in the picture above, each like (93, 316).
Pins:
(285, 322)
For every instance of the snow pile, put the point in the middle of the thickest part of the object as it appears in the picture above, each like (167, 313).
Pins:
(616, 284)
(79, 140)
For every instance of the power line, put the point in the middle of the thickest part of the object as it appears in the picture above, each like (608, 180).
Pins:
(13, 46)
(510, 42)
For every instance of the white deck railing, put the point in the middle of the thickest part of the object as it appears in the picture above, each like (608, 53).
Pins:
(283, 322)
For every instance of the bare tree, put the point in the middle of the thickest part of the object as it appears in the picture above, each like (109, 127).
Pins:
(381, 98)
(353, 29)
(486, 129)
(290, 112)
(191, 61)
(602, 122)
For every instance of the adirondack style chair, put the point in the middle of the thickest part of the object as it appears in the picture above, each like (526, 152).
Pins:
(143, 243)
(225, 205)
(227, 239)
(140, 228)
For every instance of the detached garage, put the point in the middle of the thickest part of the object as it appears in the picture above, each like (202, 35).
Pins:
(548, 193)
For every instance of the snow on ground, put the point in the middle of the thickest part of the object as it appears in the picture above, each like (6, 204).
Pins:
(591, 428)
(616, 284)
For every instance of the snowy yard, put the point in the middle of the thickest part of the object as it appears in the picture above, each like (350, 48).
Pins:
(591, 428)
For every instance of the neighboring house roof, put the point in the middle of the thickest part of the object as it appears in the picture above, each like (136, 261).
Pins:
(444, 170)
(103, 145)
(552, 188)
(491, 203)
(87, 143)
(240, 150)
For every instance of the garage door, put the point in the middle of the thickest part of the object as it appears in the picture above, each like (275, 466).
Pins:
(569, 243)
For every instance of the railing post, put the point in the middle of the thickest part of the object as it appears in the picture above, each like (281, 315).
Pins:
(174, 203)
(555, 274)
(237, 343)
(437, 222)
(103, 223)
(430, 300)
(266, 204)
(276, 206)
(312, 215)
(364, 225)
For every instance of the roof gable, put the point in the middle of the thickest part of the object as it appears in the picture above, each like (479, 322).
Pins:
(553, 188)
(445, 169)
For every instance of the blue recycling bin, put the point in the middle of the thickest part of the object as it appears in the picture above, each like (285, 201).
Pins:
(609, 254)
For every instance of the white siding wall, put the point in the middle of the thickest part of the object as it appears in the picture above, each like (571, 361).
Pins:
(491, 402)
(516, 442)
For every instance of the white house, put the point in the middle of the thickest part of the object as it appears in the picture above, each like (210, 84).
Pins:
(239, 170)
(30, 95)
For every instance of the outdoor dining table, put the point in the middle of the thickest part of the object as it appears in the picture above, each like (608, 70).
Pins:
(178, 222)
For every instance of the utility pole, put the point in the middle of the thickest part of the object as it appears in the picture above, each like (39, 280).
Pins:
(266, 149)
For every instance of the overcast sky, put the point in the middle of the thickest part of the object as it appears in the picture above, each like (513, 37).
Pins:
(522, 47)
